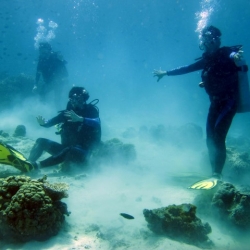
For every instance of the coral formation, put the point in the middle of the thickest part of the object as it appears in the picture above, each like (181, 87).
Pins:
(179, 222)
(56, 191)
(233, 206)
(31, 209)
(242, 141)
(230, 205)
(20, 130)
(238, 162)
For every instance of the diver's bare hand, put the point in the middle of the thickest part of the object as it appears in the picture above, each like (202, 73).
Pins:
(238, 56)
(73, 117)
(159, 73)
(40, 120)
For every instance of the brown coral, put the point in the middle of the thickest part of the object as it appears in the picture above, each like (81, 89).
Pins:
(28, 211)
(179, 222)
(233, 205)
(228, 203)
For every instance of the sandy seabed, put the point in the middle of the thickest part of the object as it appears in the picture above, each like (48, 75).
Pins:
(97, 198)
(95, 203)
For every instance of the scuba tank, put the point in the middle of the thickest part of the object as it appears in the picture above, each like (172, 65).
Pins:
(244, 93)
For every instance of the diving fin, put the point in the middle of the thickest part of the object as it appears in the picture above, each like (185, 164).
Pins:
(205, 184)
(10, 156)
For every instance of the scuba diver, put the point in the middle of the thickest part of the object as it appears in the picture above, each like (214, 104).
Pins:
(80, 131)
(220, 80)
(51, 66)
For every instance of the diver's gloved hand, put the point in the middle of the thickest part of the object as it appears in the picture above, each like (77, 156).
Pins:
(238, 56)
(73, 117)
(41, 120)
(159, 73)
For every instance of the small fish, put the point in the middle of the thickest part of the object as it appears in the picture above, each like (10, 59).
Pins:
(127, 216)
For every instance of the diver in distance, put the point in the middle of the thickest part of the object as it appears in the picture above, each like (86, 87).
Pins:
(52, 67)
(80, 131)
(220, 80)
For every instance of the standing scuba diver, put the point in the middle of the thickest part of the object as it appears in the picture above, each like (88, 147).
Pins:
(220, 80)
(80, 131)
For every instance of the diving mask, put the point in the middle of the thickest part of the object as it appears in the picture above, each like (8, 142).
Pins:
(75, 98)
(207, 39)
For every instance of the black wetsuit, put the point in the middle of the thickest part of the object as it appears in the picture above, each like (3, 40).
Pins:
(77, 138)
(220, 79)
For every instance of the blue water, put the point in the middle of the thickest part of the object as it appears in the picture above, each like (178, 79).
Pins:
(112, 47)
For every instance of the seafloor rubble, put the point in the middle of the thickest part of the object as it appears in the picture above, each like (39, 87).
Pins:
(227, 203)
(31, 209)
(238, 162)
(179, 222)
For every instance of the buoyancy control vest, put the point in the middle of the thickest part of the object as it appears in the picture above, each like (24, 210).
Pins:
(76, 133)
(220, 74)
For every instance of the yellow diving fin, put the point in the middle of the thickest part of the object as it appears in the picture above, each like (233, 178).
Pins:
(10, 156)
(205, 184)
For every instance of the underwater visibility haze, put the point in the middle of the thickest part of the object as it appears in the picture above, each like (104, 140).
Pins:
(111, 48)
